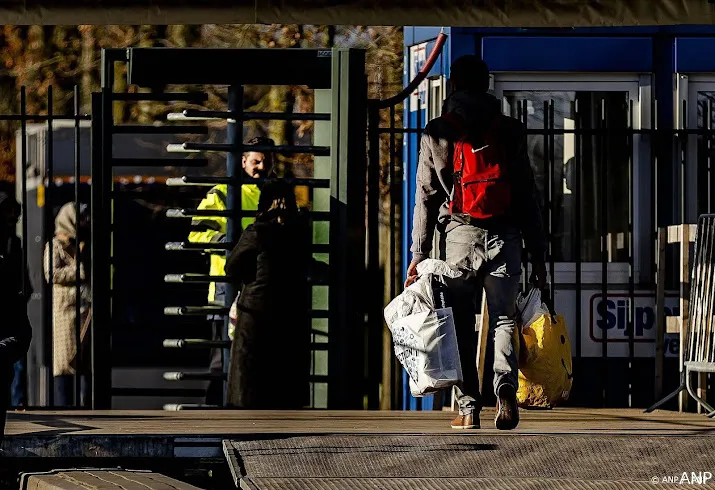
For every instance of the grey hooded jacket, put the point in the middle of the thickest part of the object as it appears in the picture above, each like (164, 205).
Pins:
(435, 175)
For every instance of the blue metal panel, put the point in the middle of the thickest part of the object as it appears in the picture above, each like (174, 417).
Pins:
(461, 44)
(412, 119)
(413, 35)
(417, 34)
(570, 54)
(695, 54)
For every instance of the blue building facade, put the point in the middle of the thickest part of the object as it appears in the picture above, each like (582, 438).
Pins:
(640, 78)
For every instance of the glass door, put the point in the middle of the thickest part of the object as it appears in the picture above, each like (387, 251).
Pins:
(585, 161)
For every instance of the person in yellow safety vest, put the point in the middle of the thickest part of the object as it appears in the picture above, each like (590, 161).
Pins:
(212, 229)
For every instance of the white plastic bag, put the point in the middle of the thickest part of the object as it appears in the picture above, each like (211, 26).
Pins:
(424, 338)
(426, 346)
(417, 298)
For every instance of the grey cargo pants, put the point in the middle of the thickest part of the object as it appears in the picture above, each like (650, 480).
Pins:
(490, 259)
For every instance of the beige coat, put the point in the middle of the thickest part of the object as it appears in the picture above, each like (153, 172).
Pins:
(63, 255)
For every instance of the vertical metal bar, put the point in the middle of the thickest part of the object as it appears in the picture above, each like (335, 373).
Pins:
(547, 177)
(703, 285)
(602, 148)
(78, 283)
(551, 158)
(48, 233)
(374, 327)
(417, 402)
(683, 163)
(710, 290)
(522, 116)
(101, 234)
(393, 210)
(23, 184)
(631, 254)
(234, 131)
(392, 257)
(577, 198)
(685, 274)
(659, 243)
(654, 151)
(708, 153)
(692, 331)
(95, 228)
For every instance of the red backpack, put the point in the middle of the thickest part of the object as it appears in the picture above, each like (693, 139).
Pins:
(481, 188)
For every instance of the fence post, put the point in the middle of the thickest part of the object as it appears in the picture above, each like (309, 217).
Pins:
(660, 311)
(684, 304)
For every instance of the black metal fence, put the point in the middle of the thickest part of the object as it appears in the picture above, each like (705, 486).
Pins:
(608, 178)
(133, 245)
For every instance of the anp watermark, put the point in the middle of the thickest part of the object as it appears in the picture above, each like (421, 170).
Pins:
(692, 478)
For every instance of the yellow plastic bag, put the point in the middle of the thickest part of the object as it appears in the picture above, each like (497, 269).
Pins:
(545, 375)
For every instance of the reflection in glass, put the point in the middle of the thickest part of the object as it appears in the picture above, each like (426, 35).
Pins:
(578, 183)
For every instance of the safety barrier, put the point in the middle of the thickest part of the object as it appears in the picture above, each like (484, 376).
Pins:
(699, 352)
(697, 307)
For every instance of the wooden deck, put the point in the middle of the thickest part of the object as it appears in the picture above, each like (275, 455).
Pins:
(238, 424)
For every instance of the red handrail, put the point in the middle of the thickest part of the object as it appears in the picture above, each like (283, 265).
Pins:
(431, 60)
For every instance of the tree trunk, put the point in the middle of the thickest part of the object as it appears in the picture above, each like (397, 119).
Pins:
(87, 66)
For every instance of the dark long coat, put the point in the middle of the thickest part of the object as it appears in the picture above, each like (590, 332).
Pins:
(15, 331)
(270, 354)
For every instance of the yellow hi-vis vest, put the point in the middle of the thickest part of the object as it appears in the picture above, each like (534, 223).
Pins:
(212, 229)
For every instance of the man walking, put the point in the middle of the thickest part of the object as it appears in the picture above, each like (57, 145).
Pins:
(212, 229)
(475, 182)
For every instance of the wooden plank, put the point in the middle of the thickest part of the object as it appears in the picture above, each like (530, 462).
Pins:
(672, 324)
(684, 304)
(482, 342)
(91, 479)
(674, 233)
(661, 326)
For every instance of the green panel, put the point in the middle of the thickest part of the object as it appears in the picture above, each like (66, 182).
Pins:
(320, 395)
(320, 298)
(321, 199)
(320, 257)
(320, 363)
(320, 325)
(321, 232)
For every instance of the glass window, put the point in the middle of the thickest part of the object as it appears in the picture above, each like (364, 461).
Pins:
(576, 193)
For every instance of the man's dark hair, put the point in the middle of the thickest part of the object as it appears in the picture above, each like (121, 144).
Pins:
(469, 72)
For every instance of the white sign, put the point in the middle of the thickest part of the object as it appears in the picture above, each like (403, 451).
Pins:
(418, 58)
(605, 321)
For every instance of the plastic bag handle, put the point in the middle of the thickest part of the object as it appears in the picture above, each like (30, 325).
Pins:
(544, 299)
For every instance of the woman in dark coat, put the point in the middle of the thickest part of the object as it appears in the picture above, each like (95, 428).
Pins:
(15, 331)
(270, 354)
